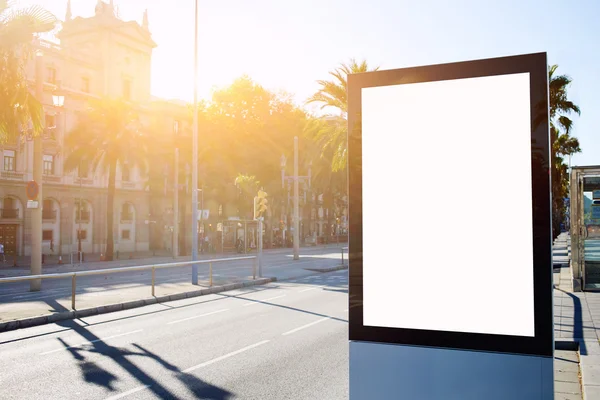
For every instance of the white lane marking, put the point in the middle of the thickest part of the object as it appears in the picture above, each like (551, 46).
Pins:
(57, 295)
(90, 342)
(197, 316)
(306, 290)
(306, 326)
(21, 295)
(258, 300)
(214, 360)
(127, 393)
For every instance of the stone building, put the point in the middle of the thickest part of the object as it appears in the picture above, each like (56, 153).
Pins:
(97, 56)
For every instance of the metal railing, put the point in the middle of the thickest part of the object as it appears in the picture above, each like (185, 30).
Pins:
(344, 248)
(74, 275)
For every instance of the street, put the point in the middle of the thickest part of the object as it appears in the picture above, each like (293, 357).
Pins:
(17, 302)
(284, 340)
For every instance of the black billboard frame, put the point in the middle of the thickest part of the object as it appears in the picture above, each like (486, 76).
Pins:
(542, 343)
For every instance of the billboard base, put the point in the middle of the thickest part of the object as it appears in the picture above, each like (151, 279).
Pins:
(388, 371)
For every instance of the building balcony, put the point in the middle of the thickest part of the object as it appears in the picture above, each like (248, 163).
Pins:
(12, 175)
(51, 179)
(83, 216)
(84, 181)
(9, 213)
(49, 215)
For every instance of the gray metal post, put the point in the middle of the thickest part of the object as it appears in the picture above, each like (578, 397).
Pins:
(153, 279)
(195, 155)
(260, 247)
(296, 194)
(73, 290)
(176, 206)
(36, 213)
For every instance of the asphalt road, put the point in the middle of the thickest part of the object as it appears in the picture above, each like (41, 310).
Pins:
(280, 265)
(285, 340)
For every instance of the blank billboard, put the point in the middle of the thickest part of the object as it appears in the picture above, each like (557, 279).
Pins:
(447, 228)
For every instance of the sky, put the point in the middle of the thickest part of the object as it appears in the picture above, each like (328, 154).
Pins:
(285, 45)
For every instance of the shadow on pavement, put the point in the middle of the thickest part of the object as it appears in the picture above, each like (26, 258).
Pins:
(92, 373)
(577, 321)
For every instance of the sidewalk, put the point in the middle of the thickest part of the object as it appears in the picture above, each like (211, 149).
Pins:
(576, 321)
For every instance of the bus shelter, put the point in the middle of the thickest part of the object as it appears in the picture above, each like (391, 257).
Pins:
(584, 221)
(232, 232)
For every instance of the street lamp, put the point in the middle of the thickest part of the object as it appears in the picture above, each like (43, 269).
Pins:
(58, 100)
(176, 192)
(195, 155)
(295, 179)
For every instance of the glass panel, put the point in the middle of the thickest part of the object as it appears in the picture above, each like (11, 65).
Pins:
(591, 234)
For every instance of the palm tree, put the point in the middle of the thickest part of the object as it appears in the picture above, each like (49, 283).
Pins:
(18, 107)
(563, 144)
(334, 94)
(248, 188)
(107, 135)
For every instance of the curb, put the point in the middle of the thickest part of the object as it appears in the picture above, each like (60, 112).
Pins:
(338, 268)
(331, 269)
(87, 312)
(570, 345)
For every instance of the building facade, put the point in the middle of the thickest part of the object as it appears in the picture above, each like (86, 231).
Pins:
(105, 56)
(97, 56)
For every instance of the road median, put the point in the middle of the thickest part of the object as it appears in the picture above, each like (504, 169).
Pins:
(125, 305)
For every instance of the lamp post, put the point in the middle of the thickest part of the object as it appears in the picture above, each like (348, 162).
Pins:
(58, 100)
(36, 213)
(195, 155)
(176, 194)
(295, 179)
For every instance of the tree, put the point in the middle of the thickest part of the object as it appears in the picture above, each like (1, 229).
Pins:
(563, 144)
(18, 107)
(247, 188)
(108, 134)
(334, 94)
(245, 128)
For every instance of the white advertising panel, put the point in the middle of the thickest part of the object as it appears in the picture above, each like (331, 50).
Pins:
(447, 206)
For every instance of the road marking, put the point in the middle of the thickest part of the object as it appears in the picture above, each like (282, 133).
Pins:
(214, 360)
(127, 393)
(90, 342)
(197, 316)
(306, 290)
(306, 326)
(258, 301)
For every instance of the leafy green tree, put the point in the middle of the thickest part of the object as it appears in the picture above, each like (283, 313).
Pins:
(333, 137)
(107, 134)
(563, 144)
(247, 186)
(18, 107)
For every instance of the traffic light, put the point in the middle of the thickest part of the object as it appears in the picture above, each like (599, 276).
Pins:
(260, 204)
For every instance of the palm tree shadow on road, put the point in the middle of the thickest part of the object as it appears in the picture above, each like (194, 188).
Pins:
(93, 373)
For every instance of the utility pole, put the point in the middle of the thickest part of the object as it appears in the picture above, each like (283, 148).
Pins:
(195, 155)
(296, 200)
(176, 206)
(36, 213)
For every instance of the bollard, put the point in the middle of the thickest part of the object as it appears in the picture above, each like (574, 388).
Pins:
(342, 256)
(153, 279)
(210, 274)
(73, 286)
